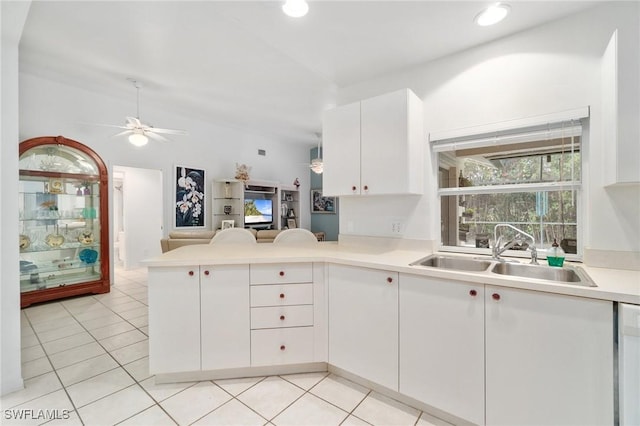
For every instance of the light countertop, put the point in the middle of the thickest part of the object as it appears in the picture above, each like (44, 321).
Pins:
(612, 284)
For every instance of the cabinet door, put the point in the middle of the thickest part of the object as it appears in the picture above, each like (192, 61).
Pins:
(174, 319)
(442, 345)
(224, 305)
(341, 150)
(391, 144)
(363, 323)
(549, 359)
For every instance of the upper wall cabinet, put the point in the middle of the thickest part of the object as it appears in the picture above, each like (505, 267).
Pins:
(620, 110)
(64, 232)
(374, 147)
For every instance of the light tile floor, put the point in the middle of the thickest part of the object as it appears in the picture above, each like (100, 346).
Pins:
(85, 360)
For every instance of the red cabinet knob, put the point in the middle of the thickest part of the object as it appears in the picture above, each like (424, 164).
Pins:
(353, 188)
(282, 347)
(389, 280)
(282, 273)
(206, 273)
(190, 273)
(495, 296)
(281, 317)
(281, 295)
(473, 292)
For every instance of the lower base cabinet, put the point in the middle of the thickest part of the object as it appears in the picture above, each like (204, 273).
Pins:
(503, 356)
(363, 323)
(174, 319)
(442, 345)
(224, 312)
(549, 359)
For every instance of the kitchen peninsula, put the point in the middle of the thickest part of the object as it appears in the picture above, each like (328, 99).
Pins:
(436, 339)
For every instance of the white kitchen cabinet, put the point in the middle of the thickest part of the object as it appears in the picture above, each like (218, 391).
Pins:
(224, 311)
(620, 110)
(363, 323)
(283, 329)
(442, 344)
(174, 319)
(375, 146)
(549, 359)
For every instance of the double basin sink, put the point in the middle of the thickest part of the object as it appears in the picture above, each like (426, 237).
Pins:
(564, 275)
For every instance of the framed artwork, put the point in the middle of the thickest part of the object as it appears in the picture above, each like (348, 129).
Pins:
(291, 223)
(226, 224)
(321, 204)
(189, 197)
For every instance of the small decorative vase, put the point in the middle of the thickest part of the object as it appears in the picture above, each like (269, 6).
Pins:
(227, 190)
(87, 190)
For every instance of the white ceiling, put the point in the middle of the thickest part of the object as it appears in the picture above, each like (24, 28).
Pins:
(246, 64)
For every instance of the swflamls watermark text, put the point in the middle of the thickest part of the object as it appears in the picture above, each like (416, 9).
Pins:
(31, 414)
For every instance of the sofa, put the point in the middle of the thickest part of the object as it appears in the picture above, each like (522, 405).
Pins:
(184, 238)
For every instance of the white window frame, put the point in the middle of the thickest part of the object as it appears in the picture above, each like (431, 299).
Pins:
(511, 132)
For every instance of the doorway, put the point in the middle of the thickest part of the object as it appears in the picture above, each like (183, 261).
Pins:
(138, 215)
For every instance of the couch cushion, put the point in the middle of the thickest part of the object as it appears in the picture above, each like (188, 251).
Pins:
(267, 234)
(206, 235)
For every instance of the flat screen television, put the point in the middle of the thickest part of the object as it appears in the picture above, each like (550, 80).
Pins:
(258, 211)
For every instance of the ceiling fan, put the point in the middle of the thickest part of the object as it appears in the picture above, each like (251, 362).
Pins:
(317, 165)
(140, 133)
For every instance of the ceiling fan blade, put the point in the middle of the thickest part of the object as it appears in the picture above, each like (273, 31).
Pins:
(107, 125)
(126, 132)
(135, 122)
(156, 137)
(167, 131)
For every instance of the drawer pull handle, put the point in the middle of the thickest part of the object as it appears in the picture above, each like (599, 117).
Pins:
(281, 295)
(282, 273)
(473, 292)
(206, 273)
(389, 280)
(282, 347)
(281, 317)
(353, 188)
(190, 273)
(366, 187)
(495, 296)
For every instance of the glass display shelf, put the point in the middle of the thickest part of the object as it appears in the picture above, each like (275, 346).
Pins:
(45, 278)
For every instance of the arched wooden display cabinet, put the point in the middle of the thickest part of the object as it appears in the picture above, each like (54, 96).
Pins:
(64, 220)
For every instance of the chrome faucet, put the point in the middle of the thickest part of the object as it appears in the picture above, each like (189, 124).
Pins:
(497, 250)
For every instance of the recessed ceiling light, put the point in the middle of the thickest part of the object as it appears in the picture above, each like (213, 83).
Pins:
(295, 8)
(493, 14)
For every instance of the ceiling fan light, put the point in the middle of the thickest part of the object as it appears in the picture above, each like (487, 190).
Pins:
(138, 139)
(317, 166)
(493, 14)
(295, 8)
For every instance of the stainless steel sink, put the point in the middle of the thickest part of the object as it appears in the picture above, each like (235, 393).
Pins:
(566, 275)
(453, 263)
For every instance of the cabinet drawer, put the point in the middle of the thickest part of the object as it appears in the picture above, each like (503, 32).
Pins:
(281, 346)
(281, 295)
(282, 273)
(282, 316)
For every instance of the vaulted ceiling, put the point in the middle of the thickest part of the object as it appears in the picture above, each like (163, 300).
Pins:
(246, 64)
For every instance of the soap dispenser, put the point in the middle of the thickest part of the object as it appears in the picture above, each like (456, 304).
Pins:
(556, 255)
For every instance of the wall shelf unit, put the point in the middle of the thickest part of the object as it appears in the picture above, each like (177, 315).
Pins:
(229, 196)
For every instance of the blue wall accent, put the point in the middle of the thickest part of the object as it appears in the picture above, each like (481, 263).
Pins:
(322, 222)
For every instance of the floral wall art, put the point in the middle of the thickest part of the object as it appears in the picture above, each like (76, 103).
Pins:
(190, 205)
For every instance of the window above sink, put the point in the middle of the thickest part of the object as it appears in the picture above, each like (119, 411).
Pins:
(528, 176)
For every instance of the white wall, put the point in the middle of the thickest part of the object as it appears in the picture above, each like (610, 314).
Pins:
(548, 69)
(52, 108)
(12, 18)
